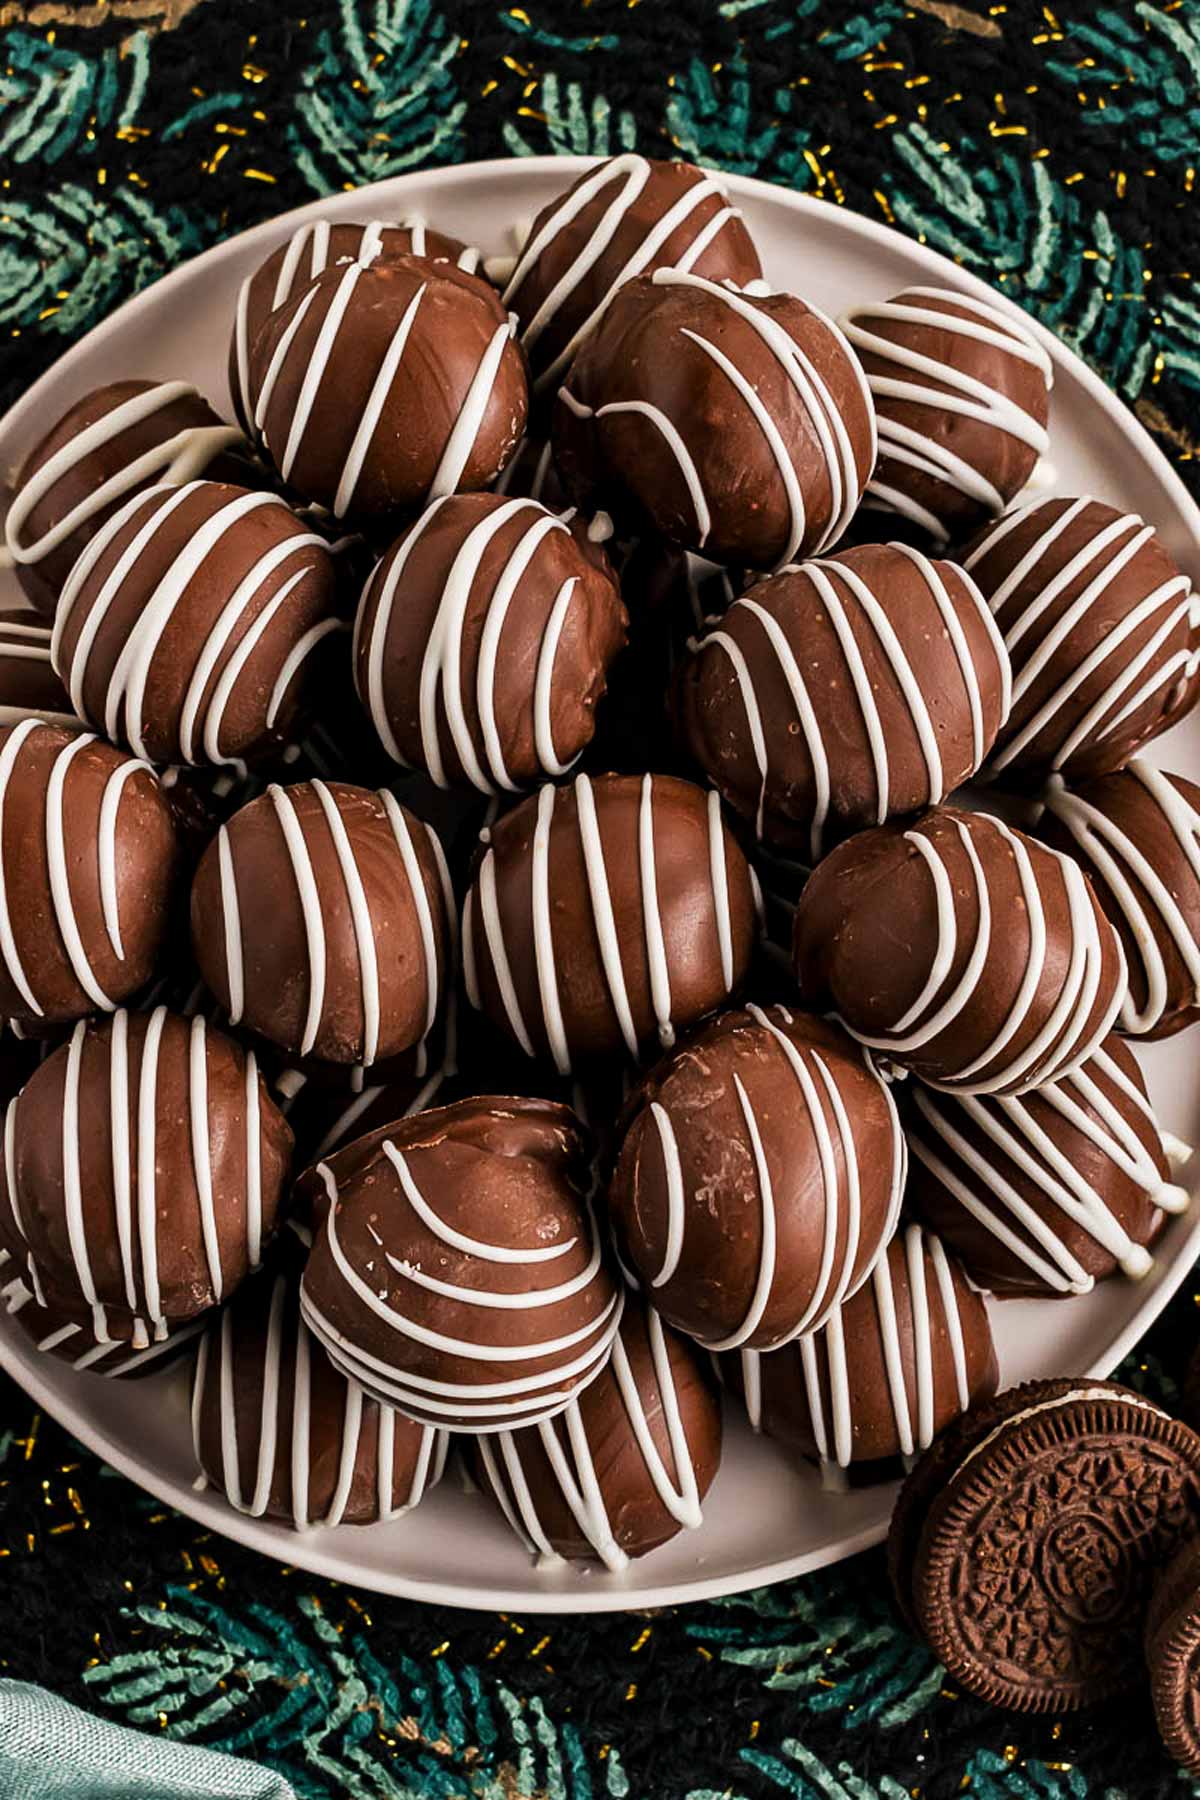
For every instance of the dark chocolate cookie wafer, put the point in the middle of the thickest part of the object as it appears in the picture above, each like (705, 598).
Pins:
(1023, 1542)
(1173, 1655)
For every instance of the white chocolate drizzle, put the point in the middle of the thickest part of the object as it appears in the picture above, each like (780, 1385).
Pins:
(797, 370)
(1148, 903)
(846, 600)
(441, 677)
(627, 176)
(307, 254)
(574, 1466)
(1101, 563)
(308, 880)
(818, 1099)
(1069, 1034)
(482, 919)
(125, 710)
(914, 378)
(920, 1265)
(179, 458)
(285, 1435)
(1098, 1102)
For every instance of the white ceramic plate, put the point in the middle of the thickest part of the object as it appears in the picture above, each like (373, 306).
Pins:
(763, 1519)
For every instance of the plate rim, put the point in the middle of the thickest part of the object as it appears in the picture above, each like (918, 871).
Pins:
(303, 1549)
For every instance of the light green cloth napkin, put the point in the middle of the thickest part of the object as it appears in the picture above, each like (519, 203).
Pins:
(52, 1751)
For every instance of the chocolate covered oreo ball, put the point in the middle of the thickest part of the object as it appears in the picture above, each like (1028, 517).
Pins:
(840, 692)
(320, 918)
(116, 442)
(456, 1271)
(962, 395)
(311, 249)
(29, 688)
(605, 915)
(283, 1435)
(625, 1468)
(758, 1179)
(627, 217)
(888, 1371)
(961, 950)
(89, 862)
(734, 423)
(1137, 833)
(483, 641)
(385, 385)
(186, 627)
(144, 1169)
(1102, 629)
(1051, 1191)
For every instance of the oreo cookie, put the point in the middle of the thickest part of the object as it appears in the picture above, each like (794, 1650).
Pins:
(1023, 1542)
(1173, 1655)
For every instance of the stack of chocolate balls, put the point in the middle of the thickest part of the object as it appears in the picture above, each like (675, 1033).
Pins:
(388, 786)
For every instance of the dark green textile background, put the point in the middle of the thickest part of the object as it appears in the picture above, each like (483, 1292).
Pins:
(1050, 148)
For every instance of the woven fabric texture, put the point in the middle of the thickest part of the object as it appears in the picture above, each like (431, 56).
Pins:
(1050, 148)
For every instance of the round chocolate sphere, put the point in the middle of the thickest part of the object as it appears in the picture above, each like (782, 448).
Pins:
(961, 950)
(29, 688)
(1048, 1193)
(606, 914)
(625, 1468)
(68, 1333)
(906, 1354)
(1103, 631)
(962, 395)
(483, 641)
(283, 1435)
(89, 864)
(841, 692)
(116, 442)
(1137, 833)
(144, 1167)
(758, 1179)
(311, 249)
(321, 919)
(384, 386)
(186, 627)
(457, 1272)
(627, 217)
(733, 422)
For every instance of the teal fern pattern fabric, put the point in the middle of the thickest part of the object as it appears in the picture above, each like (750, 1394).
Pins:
(1052, 148)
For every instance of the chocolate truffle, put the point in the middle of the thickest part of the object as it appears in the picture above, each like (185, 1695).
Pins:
(759, 1178)
(483, 641)
(1047, 1193)
(457, 1272)
(627, 217)
(144, 1167)
(89, 860)
(29, 688)
(961, 950)
(962, 395)
(626, 1466)
(733, 422)
(839, 693)
(68, 1333)
(116, 442)
(284, 1435)
(186, 627)
(321, 918)
(311, 249)
(888, 1371)
(382, 387)
(605, 914)
(1137, 833)
(1103, 631)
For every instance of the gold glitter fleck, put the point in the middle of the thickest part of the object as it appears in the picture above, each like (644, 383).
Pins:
(640, 1640)
(258, 175)
(129, 134)
(631, 1691)
(497, 1648)
(441, 1649)
(252, 73)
